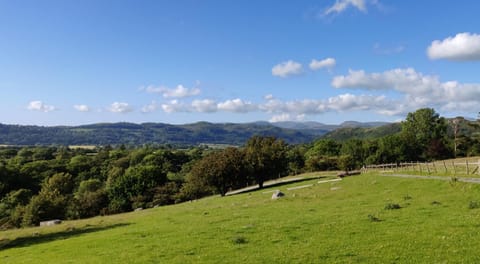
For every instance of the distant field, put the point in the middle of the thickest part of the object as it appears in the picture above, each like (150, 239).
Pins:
(90, 147)
(360, 219)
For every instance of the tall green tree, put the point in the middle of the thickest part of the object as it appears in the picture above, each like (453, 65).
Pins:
(266, 156)
(425, 132)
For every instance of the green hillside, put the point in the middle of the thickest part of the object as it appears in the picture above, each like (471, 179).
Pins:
(147, 133)
(361, 219)
(346, 133)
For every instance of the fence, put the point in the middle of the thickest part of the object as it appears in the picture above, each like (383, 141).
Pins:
(454, 167)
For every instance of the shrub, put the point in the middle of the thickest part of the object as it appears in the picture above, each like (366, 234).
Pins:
(474, 205)
(239, 240)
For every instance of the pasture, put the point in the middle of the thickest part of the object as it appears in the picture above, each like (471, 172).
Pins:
(359, 219)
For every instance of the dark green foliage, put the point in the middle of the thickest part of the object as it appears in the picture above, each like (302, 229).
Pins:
(353, 154)
(473, 205)
(83, 183)
(266, 157)
(239, 240)
(373, 218)
(392, 206)
(322, 163)
(91, 198)
(363, 133)
(147, 133)
(424, 132)
(220, 170)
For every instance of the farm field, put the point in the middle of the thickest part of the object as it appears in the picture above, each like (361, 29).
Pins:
(364, 218)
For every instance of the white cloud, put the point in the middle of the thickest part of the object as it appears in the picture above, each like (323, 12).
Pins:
(40, 106)
(325, 63)
(419, 90)
(462, 47)
(268, 97)
(178, 92)
(120, 107)
(237, 105)
(342, 5)
(204, 106)
(174, 106)
(287, 68)
(152, 107)
(287, 117)
(82, 108)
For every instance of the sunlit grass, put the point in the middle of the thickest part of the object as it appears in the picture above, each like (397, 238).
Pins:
(330, 222)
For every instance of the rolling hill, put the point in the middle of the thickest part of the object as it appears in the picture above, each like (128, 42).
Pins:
(147, 133)
(160, 133)
(361, 219)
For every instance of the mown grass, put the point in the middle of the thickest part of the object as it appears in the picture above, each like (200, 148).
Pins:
(335, 222)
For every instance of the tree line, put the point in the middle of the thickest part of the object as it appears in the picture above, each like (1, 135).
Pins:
(41, 183)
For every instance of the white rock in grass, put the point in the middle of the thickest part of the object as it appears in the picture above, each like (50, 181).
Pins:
(277, 195)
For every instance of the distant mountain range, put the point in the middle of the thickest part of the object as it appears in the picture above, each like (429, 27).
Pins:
(159, 133)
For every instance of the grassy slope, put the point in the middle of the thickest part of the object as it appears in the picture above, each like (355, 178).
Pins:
(310, 225)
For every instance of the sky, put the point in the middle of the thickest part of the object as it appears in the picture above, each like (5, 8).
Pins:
(80, 62)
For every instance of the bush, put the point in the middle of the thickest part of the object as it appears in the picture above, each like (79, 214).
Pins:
(239, 240)
(474, 205)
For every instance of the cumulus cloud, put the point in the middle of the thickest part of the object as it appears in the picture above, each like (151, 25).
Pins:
(342, 5)
(327, 63)
(286, 69)
(178, 92)
(419, 90)
(268, 97)
(40, 106)
(82, 108)
(237, 105)
(287, 117)
(204, 106)
(152, 107)
(339, 103)
(174, 106)
(462, 47)
(120, 107)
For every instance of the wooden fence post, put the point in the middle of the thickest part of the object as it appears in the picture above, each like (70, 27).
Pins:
(454, 169)
(478, 166)
(445, 165)
(468, 171)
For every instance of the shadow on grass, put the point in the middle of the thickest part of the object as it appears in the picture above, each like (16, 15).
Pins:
(274, 184)
(38, 238)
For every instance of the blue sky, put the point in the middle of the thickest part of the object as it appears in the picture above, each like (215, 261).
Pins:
(77, 62)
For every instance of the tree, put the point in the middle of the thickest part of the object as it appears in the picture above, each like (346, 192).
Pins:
(52, 202)
(266, 156)
(133, 187)
(424, 129)
(222, 170)
(90, 198)
(324, 147)
(353, 151)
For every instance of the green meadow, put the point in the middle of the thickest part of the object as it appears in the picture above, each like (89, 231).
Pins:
(360, 219)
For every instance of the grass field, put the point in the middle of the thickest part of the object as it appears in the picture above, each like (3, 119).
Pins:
(452, 167)
(349, 221)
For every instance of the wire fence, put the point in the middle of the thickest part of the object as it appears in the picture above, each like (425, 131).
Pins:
(451, 167)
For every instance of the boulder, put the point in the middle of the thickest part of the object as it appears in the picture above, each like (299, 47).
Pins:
(51, 222)
(277, 195)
